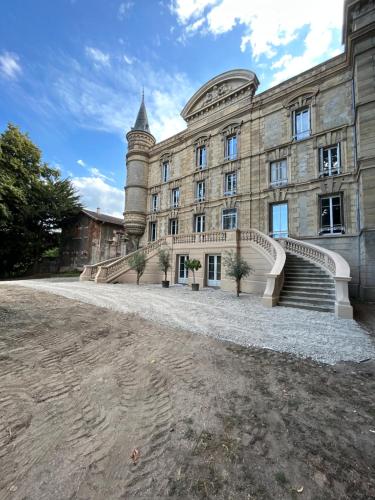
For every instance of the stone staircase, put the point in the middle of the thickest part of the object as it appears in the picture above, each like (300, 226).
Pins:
(307, 286)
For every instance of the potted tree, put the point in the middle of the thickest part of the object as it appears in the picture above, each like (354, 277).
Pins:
(193, 265)
(138, 263)
(164, 264)
(237, 268)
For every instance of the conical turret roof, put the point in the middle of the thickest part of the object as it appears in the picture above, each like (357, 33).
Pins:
(141, 123)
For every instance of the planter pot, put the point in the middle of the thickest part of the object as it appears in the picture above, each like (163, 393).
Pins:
(165, 284)
(195, 287)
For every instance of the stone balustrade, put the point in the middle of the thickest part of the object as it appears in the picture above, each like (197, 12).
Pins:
(90, 270)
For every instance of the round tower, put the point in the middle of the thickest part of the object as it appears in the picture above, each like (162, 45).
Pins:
(140, 142)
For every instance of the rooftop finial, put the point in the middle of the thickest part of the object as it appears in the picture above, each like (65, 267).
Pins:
(143, 92)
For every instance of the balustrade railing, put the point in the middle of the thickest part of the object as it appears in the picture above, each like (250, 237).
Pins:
(210, 237)
(90, 270)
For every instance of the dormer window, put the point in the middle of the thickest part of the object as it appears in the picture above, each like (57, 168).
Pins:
(329, 161)
(165, 171)
(231, 147)
(201, 157)
(301, 123)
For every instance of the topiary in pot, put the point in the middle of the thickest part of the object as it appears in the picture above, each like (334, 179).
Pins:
(193, 265)
(164, 265)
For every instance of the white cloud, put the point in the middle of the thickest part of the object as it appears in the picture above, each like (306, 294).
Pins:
(124, 9)
(97, 173)
(267, 26)
(128, 60)
(9, 65)
(111, 104)
(81, 163)
(99, 57)
(95, 192)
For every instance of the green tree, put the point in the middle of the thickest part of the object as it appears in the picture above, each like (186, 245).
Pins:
(138, 263)
(193, 265)
(164, 261)
(35, 203)
(237, 268)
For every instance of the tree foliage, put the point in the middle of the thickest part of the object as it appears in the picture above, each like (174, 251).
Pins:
(193, 265)
(237, 268)
(138, 263)
(164, 261)
(35, 203)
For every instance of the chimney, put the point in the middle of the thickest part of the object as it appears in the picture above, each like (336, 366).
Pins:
(98, 210)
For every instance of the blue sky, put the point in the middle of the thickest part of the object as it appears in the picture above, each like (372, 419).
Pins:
(71, 71)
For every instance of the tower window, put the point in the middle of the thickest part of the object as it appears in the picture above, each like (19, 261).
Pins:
(154, 202)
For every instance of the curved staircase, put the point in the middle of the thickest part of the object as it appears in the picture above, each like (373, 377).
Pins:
(307, 286)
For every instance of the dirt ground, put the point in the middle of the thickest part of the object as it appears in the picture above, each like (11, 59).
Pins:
(81, 387)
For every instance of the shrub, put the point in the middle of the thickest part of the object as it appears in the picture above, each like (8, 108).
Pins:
(164, 261)
(193, 265)
(237, 268)
(138, 263)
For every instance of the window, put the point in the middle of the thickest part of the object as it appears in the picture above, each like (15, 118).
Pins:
(329, 161)
(175, 197)
(279, 220)
(199, 223)
(173, 226)
(331, 215)
(301, 123)
(165, 171)
(231, 147)
(230, 186)
(201, 157)
(229, 219)
(278, 173)
(201, 191)
(154, 202)
(153, 231)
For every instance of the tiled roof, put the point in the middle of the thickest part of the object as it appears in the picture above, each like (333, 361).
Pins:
(103, 217)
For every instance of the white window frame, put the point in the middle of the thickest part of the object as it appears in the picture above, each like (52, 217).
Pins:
(199, 223)
(175, 198)
(165, 171)
(201, 158)
(170, 225)
(153, 231)
(154, 202)
(279, 166)
(231, 147)
(230, 184)
(303, 134)
(229, 214)
(331, 229)
(331, 170)
(200, 194)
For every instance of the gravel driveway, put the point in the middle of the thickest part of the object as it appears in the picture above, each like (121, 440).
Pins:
(220, 314)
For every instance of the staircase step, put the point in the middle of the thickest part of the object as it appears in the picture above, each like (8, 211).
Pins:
(302, 305)
(302, 272)
(327, 294)
(318, 301)
(308, 281)
(328, 288)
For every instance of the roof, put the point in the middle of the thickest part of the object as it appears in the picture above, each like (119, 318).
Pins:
(141, 123)
(103, 217)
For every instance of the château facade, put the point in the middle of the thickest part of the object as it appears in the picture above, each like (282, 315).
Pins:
(294, 163)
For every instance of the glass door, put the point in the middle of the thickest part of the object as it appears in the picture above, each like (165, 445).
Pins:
(182, 271)
(279, 220)
(214, 270)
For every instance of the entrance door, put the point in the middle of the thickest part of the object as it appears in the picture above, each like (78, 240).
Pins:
(279, 220)
(214, 270)
(182, 271)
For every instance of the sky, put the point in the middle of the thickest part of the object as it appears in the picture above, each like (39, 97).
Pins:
(72, 71)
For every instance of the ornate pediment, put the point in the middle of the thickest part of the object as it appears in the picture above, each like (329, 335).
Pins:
(224, 88)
